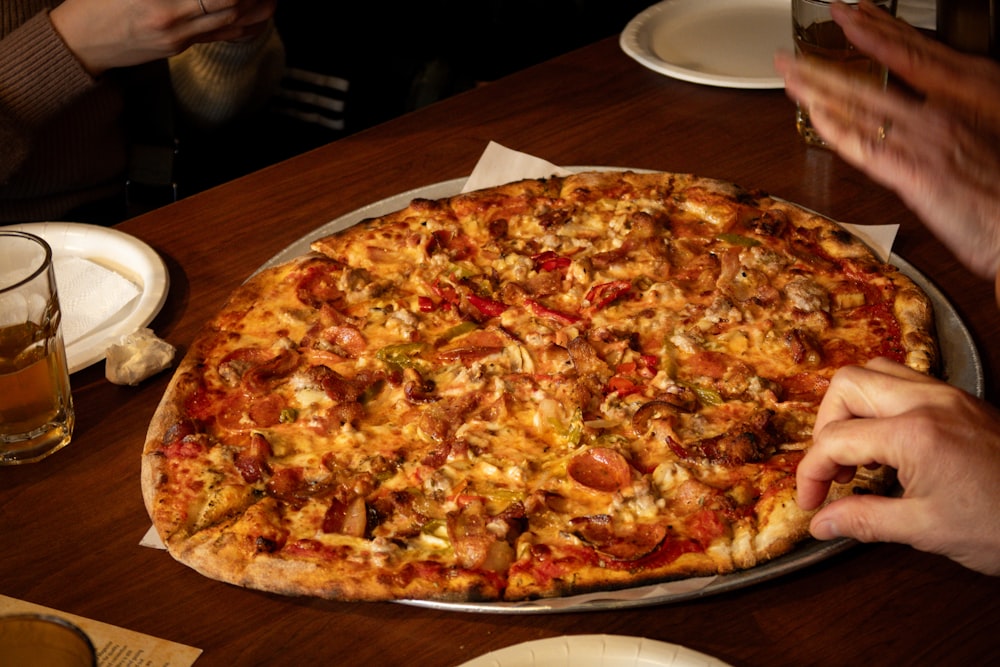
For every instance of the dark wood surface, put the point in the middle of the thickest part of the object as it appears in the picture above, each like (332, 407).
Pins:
(70, 525)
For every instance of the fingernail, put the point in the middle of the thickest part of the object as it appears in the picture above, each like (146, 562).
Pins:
(825, 529)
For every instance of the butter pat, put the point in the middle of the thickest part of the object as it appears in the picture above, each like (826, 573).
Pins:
(136, 357)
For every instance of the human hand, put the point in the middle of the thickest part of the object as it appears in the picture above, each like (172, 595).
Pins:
(104, 34)
(938, 149)
(945, 445)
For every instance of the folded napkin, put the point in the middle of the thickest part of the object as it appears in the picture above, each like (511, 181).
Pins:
(90, 295)
(499, 164)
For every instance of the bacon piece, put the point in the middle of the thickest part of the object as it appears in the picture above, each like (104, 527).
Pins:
(753, 440)
(416, 388)
(498, 228)
(289, 486)
(457, 246)
(265, 529)
(263, 376)
(475, 345)
(603, 260)
(252, 460)
(347, 518)
(544, 284)
(802, 347)
(730, 377)
(585, 358)
(476, 547)
(441, 419)
(652, 412)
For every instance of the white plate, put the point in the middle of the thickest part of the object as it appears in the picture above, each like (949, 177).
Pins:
(594, 651)
(961, 366)
(118, 252)
(727, 43)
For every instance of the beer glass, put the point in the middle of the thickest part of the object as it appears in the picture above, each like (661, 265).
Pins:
(41, 640)
(816, 35)
(36, 407)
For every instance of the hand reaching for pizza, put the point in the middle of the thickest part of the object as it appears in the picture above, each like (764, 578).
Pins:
(104, 35)
(939, 148)
(945, 445)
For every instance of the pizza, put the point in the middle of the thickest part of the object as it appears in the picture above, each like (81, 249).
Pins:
(545, 388)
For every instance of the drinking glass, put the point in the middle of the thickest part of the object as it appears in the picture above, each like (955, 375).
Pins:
(36, 406)
(43, 640)
(816, 35)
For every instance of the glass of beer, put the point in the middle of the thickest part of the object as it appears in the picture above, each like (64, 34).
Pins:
(42, 640)
(36, 407)
(818, 36)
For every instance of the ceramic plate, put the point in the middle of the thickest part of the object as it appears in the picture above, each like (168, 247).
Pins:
(116, 251)
(727, 43)
(594, 651)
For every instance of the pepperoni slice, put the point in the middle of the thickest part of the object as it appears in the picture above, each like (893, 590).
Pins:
(601, 469)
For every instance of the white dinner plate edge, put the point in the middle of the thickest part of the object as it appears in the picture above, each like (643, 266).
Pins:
(106, 246)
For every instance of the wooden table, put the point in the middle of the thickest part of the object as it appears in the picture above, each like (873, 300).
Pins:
(70, 525)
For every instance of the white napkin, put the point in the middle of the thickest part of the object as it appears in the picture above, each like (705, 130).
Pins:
(137, 356)
(89, 295)
(878, 237)
(499, 164)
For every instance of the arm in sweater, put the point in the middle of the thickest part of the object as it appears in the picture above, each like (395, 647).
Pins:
(39, 77)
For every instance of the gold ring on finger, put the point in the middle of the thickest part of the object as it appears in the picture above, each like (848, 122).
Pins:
(883, 131)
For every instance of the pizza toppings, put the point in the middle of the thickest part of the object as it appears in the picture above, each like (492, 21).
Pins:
(544, 388)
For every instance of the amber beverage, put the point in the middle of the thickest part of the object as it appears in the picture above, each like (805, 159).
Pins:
(36, 406)
(816, 35)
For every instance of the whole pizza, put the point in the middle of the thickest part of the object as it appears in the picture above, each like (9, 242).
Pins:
(545, 388)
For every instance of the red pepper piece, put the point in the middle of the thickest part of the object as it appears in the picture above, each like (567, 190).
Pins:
(543, 311)
(550, 261)
(487, 307)
(446, 293)
(621, 385)
(601, 295)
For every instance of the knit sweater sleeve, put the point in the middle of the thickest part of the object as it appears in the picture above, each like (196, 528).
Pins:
(39, 77)
(216, 81)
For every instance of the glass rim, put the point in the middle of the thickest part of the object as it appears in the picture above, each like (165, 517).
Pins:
(877, 3)
(63, 623)
(45, 264)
